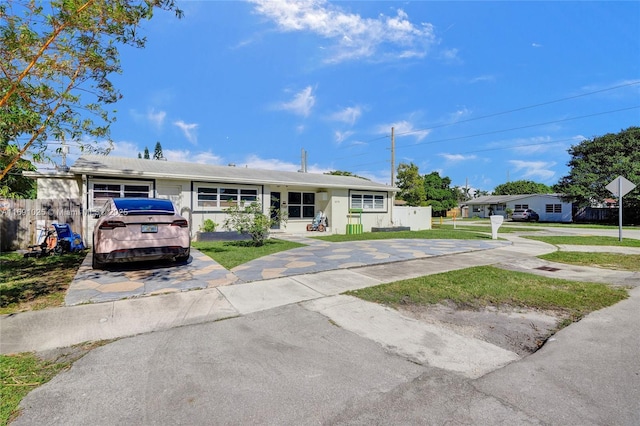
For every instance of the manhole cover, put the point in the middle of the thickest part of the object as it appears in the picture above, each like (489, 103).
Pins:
(547, 268)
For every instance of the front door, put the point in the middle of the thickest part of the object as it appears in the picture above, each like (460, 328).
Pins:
(275, 209)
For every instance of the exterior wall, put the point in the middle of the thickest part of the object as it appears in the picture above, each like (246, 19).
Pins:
(334, 203)
(417, 218)
(539, 203)
(53, 187)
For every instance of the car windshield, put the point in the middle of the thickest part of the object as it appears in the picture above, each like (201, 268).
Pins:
(143, 206)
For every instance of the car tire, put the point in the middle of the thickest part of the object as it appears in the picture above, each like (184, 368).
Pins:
(95, 264)
(183, 258)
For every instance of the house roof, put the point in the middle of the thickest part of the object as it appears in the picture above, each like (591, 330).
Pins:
(153, 169)
(503, 199)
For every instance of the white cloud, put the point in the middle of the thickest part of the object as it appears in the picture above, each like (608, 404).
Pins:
(301, 104)
(454, 158)
(534, 169)
(189, 130)
(403, 129)
(204, 157)
(536, 45)
(156, 118)
(342, 136)
(354, 37)
(347, 115)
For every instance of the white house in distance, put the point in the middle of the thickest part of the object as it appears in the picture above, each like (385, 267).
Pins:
(202, 191)
(549, 207)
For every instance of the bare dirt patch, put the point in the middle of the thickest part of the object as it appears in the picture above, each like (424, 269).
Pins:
(522, 331)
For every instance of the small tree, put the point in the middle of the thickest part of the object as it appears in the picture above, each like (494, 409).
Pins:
(249, 219)
(146, 153)
(157, 153)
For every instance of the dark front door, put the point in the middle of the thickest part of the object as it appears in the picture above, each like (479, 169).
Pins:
(275, 208)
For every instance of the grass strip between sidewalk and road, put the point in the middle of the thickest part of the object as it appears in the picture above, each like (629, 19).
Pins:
(482, 286)
(585, 240)
(616, 261)
(19, 375)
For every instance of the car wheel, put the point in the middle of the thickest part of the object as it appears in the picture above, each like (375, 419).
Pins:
(183, 258)
(95, 264)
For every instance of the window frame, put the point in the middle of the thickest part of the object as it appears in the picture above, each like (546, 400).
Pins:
(223, 195)
(121, 192)
(370, 201)
(301, 205)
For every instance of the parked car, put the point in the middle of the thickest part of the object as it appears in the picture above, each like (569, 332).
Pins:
(525, 214)
(135, 229)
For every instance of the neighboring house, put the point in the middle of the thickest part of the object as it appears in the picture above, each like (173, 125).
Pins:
(550, 207)
(202, 191)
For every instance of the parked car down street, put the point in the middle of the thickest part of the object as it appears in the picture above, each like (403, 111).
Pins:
(138, 229)
(525, 214)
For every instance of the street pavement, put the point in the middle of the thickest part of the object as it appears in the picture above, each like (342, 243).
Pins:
(293, 350)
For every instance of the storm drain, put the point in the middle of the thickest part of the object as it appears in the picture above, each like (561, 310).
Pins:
(547, 268)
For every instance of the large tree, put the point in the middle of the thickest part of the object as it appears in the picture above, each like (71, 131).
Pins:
(157, 152)
(55, 63)
(14, 184)
(596, 162)
(411, 184)
(519, 187)
(438, 193)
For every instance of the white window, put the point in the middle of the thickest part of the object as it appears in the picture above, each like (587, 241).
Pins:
(215, 197)
(521, 206)
(301, 205)
(101, 191)
(367, 201)
(553, 208)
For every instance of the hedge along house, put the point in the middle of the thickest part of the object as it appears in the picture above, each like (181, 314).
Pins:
(549, 207)
(202, 191)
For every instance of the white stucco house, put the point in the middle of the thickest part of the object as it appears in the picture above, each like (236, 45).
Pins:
(550, 207)
(202, 191)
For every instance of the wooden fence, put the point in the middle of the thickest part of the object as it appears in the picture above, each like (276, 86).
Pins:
(22, 221)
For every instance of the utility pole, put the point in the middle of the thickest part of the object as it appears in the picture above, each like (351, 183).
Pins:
(393, 173)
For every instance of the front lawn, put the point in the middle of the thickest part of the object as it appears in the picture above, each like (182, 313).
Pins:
(35, 283)
(430, 234)
(233, 253)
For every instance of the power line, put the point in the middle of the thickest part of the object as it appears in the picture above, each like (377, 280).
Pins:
(520, 108)
(521, 127)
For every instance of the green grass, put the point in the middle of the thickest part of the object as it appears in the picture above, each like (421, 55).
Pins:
(432, 234)
(486, 229)
(233, 253)
(586, 240)
(19, 375)
(478, 287)
(35, 283)
(626, 262)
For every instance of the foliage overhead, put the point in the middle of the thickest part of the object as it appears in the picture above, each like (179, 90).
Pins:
(13, 184)
(596, 162)
(344, 173)
(520, 187)
(56, 59)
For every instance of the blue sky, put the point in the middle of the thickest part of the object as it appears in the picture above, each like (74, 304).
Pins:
(482, 92)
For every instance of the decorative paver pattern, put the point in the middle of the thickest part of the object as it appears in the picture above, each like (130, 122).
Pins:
(123, 281)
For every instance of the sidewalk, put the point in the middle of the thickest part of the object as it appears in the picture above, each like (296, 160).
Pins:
(61, 327)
